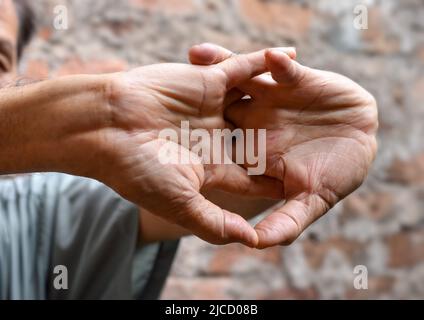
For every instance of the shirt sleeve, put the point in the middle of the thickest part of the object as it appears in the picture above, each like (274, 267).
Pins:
(50, 220)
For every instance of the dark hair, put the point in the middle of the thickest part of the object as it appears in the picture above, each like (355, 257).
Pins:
(27, 25)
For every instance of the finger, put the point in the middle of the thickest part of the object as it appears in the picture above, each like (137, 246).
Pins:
(238, 112)
(208, 54)
(215, 225)
(244, 67)
(235, 179)
(287, 221)
(283, 69)
(263, 81)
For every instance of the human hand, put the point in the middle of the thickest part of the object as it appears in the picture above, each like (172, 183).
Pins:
(148, 99)
(321, 141)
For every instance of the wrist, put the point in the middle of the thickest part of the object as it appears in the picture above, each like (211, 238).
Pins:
(135, 104)
(52, 125)
(87, 147)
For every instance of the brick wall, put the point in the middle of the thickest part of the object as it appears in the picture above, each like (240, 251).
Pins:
(381, 226)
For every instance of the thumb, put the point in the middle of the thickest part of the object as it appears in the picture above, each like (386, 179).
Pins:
(215, 225)
(284, 70)
(289, 219)
(208, 54)
(243, 67)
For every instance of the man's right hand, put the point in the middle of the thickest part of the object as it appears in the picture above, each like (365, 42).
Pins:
(148, 99)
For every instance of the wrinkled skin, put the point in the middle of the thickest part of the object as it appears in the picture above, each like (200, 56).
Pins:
(152, 98)
(321, 141)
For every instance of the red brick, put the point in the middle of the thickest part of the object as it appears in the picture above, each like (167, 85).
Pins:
(406, 249)
(407, 172)
(77, 66)
(375, 205)
(172, 7)
(291, 294)
(376, 287)
(315, 252)
(45, 33)
(420, 52)
(418, 91)
(197, 288)
(37, 69)
(376, 37)
(237, 44)
(293, 19)
(227, 256)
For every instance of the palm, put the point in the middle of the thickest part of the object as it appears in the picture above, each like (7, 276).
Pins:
(320, 132)
(172, 93)
(175, 93)
(168, 190)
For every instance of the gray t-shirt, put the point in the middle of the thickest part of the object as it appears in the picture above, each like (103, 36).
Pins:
(50, 221)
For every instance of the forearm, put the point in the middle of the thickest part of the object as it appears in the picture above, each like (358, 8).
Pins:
(47, 126)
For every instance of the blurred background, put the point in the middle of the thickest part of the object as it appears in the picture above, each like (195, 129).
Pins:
(381, 226)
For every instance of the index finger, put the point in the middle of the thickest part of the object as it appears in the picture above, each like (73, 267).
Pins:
(241, 68)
